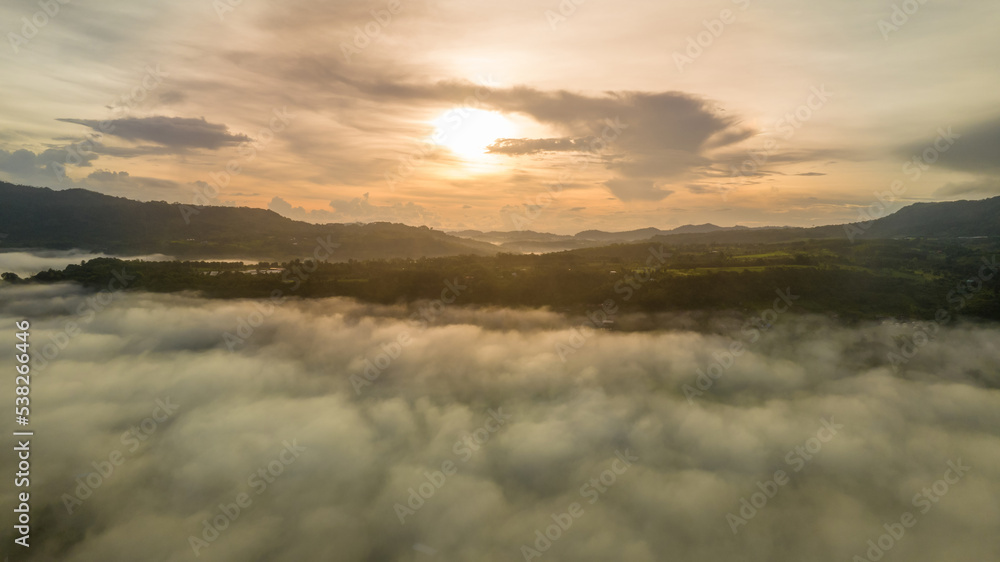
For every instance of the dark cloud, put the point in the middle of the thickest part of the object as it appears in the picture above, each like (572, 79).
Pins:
(174, 132)
(25, 164)
(650, 136)
(974, 147)
(636, 190)
(640, 120)
(532, 146)
(811, 174)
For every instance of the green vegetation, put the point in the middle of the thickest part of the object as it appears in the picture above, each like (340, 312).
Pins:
(865, 279)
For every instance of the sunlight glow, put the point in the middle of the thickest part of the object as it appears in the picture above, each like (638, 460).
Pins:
(467, 132)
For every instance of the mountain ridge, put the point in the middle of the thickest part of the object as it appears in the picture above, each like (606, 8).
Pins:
(34, 217)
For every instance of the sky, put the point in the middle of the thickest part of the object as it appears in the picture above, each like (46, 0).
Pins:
(190, 422)
(549, 116)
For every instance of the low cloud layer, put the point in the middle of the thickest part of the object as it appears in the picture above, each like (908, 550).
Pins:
(618, 394)
(26, 264)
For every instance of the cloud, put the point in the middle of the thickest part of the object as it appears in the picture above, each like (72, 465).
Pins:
(619, 391)
(358, 209)
(171, 97)
(27, 264)
(983, 186)
(26, 165)
(701, 189)
(636, 190)
(641, 136)
(972, 147)
(174, 132)
(811, 174)
(652, 136)
(533, 146)
(48, 169)
(106, 181)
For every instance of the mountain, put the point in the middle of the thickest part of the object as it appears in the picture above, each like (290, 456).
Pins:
(953, 219)
(702, 228)
(627, 236)
(647, 233)
(33, 217)
(531, 242)
(949, 219)
(527, 241)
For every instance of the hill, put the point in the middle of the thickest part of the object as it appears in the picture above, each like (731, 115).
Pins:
(531, 242)
(33, 217)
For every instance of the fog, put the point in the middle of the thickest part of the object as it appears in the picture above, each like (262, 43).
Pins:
(27, 263)
(485, 396)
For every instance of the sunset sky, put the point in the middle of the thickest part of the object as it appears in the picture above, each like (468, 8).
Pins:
(500, 107)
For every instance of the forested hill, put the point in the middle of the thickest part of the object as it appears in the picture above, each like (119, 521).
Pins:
(33, 217)
(944, 220)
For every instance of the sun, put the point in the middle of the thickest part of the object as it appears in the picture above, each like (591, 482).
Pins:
(467, 132)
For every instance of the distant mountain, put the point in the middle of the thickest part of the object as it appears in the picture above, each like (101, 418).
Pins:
(702, 228)
(627, 236)
(529, 241)
(32, 217)
(950, 219)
